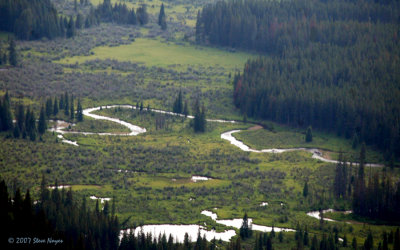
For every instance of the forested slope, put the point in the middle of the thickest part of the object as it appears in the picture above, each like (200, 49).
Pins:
(333, 65)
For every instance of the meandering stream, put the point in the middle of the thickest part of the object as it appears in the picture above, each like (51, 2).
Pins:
(135, 130)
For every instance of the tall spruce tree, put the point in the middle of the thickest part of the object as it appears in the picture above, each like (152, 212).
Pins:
(55, 107)
(66, 104)
(79, 111)
(162, 18)
(72, 109)
(12, 56)
(71, 27)
(5, 113)
(42, 126)
(309, 136)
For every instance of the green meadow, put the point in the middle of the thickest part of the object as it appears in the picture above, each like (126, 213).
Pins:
(153, 52)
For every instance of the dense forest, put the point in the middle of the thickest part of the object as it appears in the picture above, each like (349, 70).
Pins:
(57, 215)
(333, 65)
(30, 20)
(376, 196)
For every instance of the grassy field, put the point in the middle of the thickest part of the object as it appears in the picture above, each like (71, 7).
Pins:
(99, 126)
(156, 53)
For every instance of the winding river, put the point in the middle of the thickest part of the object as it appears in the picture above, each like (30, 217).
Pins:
(135, 130)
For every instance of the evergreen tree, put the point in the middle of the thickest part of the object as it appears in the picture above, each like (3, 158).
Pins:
(66, 104)
(72, 110)
(186, 109)
(79, 111)
(55, 107)
(354, 243)
(245, 229)
(5, 114)
(71, 27)
(142, 15)
(12, 56)
(199, 118)
(162, 18)
(305, 189)
(309, 134)
(178, 104)
(42, 126)
(79, 21)
(49, 107)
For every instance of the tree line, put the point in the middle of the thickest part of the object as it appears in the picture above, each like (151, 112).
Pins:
(35, 19)
(26, 124)
(273, 26)
(57, 215)
(31, 19)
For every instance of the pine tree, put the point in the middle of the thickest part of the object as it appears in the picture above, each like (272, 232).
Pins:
(199, 118)
(142, 15)
(79, 111)
(12, 56)
(49, 107)
(245, 229)
(178, 105)
(162, 18)
(42, 126)
(5, 113)
(72, 109)
(55, 107)
(79, 21)
(309, 134)
(305, 189)
(66, 104)
(71, 27)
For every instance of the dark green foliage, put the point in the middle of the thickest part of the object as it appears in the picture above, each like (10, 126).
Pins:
(42, 126)
(79, 21)
(162, 18)
(118, 14)
(305, 189)
(142, 15)
(55, 106)
(341, 178)
(186, 108)
(57, 215)
(6, 120)
(49, 107)
(199, 122)
(79, 111)
(369, 242)
(29, 19)
(268, 26)
(245, 229)
(71, 27)
(178, 104)
(72, 109)
(66, 104)
(12, 54)
(301, 82)
(309, 134)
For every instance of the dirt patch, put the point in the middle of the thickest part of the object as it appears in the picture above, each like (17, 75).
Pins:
(256, 127)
